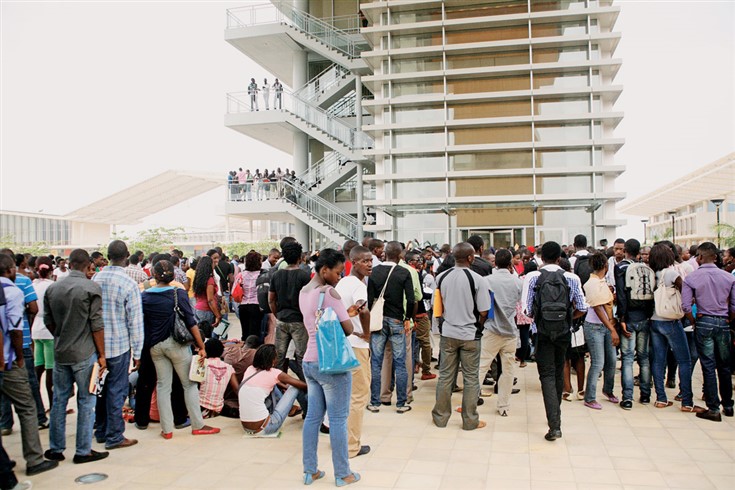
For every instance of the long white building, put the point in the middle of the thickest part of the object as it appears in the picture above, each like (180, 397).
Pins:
(436, 119)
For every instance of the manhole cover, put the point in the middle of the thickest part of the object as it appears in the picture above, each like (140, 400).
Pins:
(91, 478)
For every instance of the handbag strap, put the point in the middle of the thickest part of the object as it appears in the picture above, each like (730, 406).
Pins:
(386, 282)
(257, 371)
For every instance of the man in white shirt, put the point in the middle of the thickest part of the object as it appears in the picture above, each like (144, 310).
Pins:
(266, 89)
(61, 270)
(353, 290)
(618, 256)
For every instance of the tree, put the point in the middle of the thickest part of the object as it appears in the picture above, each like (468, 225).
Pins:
(242, 248)
(154, 240)
(36, 249)
(727, 234)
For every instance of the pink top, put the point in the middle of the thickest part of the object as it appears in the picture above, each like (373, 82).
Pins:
(249, 290)
(212, 390)
(202, 304)
(308, 303)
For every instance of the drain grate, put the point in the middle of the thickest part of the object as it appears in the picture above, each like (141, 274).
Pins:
(91, 478)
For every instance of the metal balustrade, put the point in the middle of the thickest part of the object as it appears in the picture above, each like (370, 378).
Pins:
(324, 81)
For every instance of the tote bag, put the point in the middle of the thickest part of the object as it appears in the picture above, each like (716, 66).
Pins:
(376, 312)
(335, 352)
(667, 301)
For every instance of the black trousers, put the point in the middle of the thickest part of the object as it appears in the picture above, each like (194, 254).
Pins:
(144, 392)
(550, 357)
(251, 319)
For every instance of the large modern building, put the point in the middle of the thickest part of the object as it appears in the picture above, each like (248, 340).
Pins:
(689, 208)
(436, 119)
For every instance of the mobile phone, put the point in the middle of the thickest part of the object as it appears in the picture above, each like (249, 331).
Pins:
(360, 304)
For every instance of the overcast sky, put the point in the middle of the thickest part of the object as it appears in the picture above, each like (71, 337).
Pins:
(97, 96)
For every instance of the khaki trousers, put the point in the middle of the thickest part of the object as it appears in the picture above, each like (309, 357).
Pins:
(359, 400)
(386, 374)
(423, 331)
(492, 345)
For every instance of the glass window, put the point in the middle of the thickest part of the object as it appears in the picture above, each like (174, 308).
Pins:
(490, 160)
(487, 35)
(546, 5)
(425, 15)
(416, 40)
(554, 55)
(416, 114)
(561, 159)
(481, 60)
(419, 165)
(416, 64)
(560, 80)
(493, 84)
(494, 217)
(414, 88)
(558, 29)
(570, 184)
(489, 135)
(556, 107)
(478, 110)
(483, 9)
(422, 221)
(565, 132)
(417, 190)
(419, 139)
(563, 217)
(495, 186)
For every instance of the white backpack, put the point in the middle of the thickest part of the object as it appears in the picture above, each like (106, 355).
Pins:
(667, 301)
(640, 281)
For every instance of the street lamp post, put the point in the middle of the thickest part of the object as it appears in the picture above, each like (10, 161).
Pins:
(673, 231)
(645, 236)
(717, 203)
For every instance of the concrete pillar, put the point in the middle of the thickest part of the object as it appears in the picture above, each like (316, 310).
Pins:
(300, 140)
(360, 210)
(358, 102)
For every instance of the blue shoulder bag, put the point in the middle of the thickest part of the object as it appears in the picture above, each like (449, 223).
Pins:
(335, 352)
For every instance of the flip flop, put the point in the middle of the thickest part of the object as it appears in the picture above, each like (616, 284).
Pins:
(663, 404)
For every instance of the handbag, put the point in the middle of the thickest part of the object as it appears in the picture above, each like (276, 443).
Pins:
(667, 301)
(335, 352)
(181, 333)
(376, 312)
(237, 292)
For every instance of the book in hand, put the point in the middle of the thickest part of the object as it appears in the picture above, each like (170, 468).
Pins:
(97, 381)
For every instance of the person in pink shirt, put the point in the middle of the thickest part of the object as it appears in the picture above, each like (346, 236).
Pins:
(218, 375)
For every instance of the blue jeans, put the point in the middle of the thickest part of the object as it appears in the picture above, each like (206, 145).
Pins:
(602, 353)
(712, 335)
(665, 334)
(204, 316)
(6, 413)
(284, 402)
(636, 345)
(65, 377)
(330, 394)
(109, 424)
(393, 331)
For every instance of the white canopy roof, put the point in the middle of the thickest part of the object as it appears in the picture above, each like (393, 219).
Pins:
(712, 181)
(129, 206)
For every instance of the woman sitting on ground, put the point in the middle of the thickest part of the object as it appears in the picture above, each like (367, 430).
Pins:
(259, 381)
(218, 375)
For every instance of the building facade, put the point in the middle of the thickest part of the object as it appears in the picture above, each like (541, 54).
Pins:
(481, 117)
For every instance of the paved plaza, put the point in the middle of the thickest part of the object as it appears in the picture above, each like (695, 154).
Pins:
(644, 448)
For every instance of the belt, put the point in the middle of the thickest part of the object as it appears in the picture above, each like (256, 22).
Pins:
(714, 316)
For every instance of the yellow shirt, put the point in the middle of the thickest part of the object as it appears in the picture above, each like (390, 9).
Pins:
(190, 275)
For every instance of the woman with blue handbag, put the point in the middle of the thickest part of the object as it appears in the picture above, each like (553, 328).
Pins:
(327, 364)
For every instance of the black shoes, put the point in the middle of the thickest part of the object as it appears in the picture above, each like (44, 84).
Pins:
(626, 404)
(727, 412)
(41, 467)
(710, 415)
(53, 456)
(553, 435)
(92, 456)
(671, 383)
(645, 399)
(363, 450)
(324, 429)
(480, 401)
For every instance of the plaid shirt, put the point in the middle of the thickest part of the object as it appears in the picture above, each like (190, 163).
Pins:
(122, 312)
(136, 273)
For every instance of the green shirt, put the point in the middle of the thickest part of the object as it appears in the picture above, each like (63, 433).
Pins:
(417, 293)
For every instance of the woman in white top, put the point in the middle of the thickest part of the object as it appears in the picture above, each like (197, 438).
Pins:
(43, 340)
(258, 382)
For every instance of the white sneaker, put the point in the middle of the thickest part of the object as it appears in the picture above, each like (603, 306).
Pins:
(23, 485)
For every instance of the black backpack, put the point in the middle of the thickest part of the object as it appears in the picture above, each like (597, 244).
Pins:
(263, 286)
(582, 268)
(552, 309)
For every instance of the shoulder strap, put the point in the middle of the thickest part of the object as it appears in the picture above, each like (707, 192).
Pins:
(386, 282)
(439, 282)
(257, 371)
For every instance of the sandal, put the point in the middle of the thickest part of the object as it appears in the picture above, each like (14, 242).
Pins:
(340, 482)
(310, 478)
(566, 396)
(663, 404)
(580, 395)
(694, 409)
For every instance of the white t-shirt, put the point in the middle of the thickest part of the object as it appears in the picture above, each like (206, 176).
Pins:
(351, 289)
(38, 329)
(252, 394)
(59, 274)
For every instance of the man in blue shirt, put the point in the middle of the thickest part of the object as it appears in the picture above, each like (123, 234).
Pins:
(15, 385)
(29, 313)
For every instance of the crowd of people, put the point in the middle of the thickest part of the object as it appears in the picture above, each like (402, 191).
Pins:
(152, 334)
(244, 185)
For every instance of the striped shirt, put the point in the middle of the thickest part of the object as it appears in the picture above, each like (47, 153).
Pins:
(136, 273)
(122, 312)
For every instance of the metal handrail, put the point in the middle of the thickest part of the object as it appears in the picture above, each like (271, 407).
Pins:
(283, 12)
(344, 107)
(325, 80)
(239, 102)
(331, 163)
